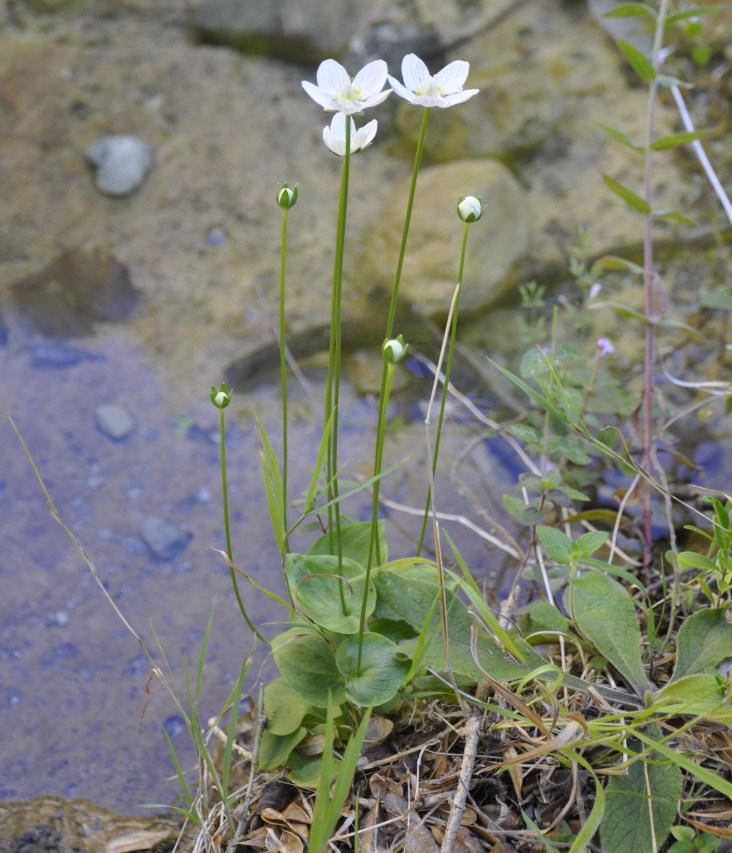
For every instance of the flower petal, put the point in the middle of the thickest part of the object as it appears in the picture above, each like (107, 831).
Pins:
(318, 95)
(332, 76)
(371, 78)
(401, 90)
(459, 97)
(453, 76)
(413, 71)
(364, 136)
(376, 99)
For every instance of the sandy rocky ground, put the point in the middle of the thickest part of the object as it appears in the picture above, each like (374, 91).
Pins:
(214, 87)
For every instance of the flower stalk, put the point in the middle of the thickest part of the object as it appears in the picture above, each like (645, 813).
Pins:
(221, 397)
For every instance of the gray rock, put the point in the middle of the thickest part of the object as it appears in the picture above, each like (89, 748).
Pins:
(306, 31)
(114, 421)
(122, 163)
(164, 539)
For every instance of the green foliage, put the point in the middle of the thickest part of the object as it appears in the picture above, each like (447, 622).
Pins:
(604, 613)
(641, 806)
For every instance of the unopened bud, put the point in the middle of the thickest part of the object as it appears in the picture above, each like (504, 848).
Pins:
(394, 349)
(287, 196)
(470, 208)
(221, 397)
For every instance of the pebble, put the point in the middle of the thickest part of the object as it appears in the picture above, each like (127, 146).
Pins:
(164, 539)
(114, 421)
(122, 163)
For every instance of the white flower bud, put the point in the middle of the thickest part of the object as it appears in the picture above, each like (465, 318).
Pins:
(470, 208)
(394, 349)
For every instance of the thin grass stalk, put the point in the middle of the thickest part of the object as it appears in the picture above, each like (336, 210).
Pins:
(391, 317)
(445, 385)
(332, 393)
(227, 530)
(649, 285)
(283, 376)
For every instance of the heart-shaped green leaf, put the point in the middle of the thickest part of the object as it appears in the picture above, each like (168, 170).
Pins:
(382, 672)
(307, 661)
(355, 543)
(328, 593)
(284, 707)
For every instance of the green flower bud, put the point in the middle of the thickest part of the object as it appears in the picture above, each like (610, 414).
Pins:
(221, 397)
(470, 208)
(394, 349)
(286, 195)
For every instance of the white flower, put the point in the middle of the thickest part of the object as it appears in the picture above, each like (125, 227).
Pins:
(445, 89)
(335, 135)
(470, 208)
(336, 92)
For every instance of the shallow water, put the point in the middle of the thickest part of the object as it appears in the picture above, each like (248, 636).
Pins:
(74, 683)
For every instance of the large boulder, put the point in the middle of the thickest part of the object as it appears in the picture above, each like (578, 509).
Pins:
(495, 245)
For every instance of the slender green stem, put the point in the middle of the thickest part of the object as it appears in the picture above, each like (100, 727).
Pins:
(332, 393)
(445, 385)
(650, 285)
(374, 541)
(385, 378)
(283, 377)
(227, 530)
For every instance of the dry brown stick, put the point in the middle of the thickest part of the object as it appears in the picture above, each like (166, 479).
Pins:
(472, 733)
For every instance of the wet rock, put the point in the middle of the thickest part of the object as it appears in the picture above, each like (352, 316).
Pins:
(114, 421)
(122, 163)
(306, 31)
(77, 289)
(495, 246)
(55, 825)
(165, 540)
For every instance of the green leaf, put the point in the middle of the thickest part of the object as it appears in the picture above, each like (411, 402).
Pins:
(590, 542)
(627, 826)
(594, 820)
(703, 641)
(308, 664)
(283, 707)
(632, 10)
(530, 392)
(409, 588)
(315, 581)
(694, 560)
(548, 618)
(641, 63)
(329, 801)
(383, 669)
(355, 541)
(720, 299)
(704, 774)
(556, 543)
(614, 262)
(604, 613)
(674, 216)
(274, 750)
(664, 143)
(628, 196)
(620, 137)
(700, 695)
(693, 12)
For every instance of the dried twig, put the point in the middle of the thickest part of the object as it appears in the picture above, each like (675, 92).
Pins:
(472, 734)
